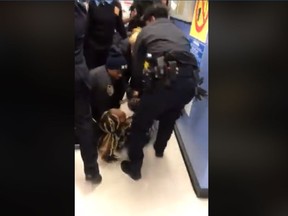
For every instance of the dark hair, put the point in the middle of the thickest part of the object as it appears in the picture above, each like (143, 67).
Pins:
(156, 10)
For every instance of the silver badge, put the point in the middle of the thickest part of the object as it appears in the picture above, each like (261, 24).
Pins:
(110, 90)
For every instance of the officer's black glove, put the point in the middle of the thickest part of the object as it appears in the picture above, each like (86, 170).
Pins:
(200, 93)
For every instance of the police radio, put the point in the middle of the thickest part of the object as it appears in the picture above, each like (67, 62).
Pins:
(159, 70)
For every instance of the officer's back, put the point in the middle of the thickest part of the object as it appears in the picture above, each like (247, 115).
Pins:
(161, 35)
(164, 36)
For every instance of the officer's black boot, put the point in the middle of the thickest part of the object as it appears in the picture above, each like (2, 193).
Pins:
(92, 174)
(158, 153)
(131, 169)
(76, 142)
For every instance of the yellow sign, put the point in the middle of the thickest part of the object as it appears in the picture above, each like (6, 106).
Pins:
(199, 27)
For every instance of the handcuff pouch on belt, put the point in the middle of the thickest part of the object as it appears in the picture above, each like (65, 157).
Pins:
(188, 59)
(164, 70)
(158, 71)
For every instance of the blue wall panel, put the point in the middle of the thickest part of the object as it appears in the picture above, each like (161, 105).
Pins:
(192, 129)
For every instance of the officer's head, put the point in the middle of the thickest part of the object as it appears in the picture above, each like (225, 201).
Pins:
(154, 12)
(115, 63)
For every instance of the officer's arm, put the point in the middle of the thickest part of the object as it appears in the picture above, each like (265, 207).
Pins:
(119, 22)
(139, 53)
(100, 100)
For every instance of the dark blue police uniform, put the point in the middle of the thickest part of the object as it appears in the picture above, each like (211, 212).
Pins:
(104, 17)
(163, 104)
(83, 117)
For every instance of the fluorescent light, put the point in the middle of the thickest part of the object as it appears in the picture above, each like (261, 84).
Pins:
(173, 5)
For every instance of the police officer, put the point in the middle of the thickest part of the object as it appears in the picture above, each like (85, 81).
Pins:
(83, 117)
(103, 79)
(164, 104)
(104, 17)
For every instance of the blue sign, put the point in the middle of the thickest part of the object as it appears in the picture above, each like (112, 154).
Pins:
(197, 48)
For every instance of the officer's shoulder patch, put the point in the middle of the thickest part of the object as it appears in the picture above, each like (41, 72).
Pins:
(110, 90)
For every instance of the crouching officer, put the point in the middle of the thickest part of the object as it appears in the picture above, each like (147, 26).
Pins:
(103, 81)
(165, 100)
(83, 117)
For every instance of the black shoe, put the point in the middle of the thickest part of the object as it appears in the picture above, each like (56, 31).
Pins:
(94, 178)
(126, 168)
(159, 154)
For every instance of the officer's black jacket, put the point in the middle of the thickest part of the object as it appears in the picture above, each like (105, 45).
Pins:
(102, 22)
(156, 38)
(81, 70)
(103, 91)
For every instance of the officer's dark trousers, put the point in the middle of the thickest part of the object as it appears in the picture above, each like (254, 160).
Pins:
(83, 127)
(166, 106)
(95, 58)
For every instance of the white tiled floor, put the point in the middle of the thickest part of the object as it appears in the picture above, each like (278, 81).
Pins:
(165, 188)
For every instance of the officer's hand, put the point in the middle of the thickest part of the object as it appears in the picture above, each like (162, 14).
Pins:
(200, 93)
(135, 94)
(131, 93)
(133, 104)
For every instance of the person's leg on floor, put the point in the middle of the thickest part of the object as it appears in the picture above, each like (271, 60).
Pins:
(84, 132)
(166, 125)
(141, 123)
(181, 93)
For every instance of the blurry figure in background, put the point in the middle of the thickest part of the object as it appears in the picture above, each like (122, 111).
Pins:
(137, 9)
(130, 19)
(165, 2)
(83, 117)
(104, 17)
(103, 79)
(115, 126)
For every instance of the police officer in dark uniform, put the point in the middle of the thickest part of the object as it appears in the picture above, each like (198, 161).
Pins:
(103, 79)
(104, 17)
(83, 117)
(165, 104)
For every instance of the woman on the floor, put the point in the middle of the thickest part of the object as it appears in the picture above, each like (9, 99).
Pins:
(114, 125)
